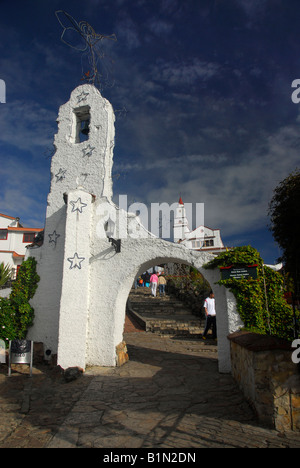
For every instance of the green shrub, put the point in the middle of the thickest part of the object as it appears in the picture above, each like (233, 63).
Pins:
(16, 314)
(5, 273)
(260, 303)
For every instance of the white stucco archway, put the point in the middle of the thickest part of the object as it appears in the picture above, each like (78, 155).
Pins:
(106, 329)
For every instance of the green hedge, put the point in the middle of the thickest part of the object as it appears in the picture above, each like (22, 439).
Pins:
(260, 303)
(16, 314)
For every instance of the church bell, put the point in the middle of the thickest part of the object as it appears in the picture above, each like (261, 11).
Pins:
(85, 127)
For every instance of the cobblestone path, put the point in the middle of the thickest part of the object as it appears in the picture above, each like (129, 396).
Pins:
(169, 395)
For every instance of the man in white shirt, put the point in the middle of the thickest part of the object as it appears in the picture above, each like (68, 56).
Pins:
(210, 313)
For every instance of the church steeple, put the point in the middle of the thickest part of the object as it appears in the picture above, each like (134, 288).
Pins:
(84, 147)
(181, 228)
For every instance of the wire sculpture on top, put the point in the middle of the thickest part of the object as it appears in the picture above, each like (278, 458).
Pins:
(96, 66)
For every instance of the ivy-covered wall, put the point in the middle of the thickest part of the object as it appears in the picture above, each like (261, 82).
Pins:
(260, 301)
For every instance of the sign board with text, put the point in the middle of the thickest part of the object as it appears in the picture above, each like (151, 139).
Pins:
(239, 272)
(20, 352)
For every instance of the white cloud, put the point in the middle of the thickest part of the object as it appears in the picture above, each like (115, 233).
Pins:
(236, 194)
(184, 73)
(24, 186)
(27, 124)
(176, 163)
(127, 32)
(159, 27)
(253, 8)
(17, 202)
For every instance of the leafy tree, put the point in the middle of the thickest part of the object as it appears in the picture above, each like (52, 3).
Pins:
(284, 212)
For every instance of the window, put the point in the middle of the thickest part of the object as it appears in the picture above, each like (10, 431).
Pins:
(28, 237)
(3, 234)
(196, 244)
(209, 243)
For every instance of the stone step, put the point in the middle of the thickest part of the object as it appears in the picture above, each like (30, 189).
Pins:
(164, 315)
(160, 311)
(159, 305)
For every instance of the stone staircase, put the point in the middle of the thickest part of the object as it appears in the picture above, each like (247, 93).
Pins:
(162, 315)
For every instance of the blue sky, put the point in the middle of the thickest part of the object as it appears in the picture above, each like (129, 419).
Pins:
(206, 85)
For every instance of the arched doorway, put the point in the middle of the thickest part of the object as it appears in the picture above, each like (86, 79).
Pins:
(176, 310)
(105, 329)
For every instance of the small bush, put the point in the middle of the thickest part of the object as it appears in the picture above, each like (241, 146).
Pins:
(16, 314)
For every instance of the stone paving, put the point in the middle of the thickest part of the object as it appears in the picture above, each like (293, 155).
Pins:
(169, 395)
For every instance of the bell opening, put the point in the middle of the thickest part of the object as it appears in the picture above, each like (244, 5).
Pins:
(81, 125)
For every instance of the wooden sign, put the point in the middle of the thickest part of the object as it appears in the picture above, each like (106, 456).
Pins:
(239, 272)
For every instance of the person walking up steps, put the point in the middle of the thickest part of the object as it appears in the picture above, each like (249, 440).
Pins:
(153, 282)
(162, 285)
(210, 313)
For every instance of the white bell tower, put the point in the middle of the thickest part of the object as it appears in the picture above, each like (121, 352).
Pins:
(181, 228)
(80, 176)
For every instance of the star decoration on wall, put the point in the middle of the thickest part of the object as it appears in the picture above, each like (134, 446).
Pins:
(53, 237)
(75, 261)
(88, 150)
(82, 96)
(78, 205)
(60, 175)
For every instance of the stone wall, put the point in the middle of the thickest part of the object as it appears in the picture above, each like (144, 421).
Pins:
(263, 368)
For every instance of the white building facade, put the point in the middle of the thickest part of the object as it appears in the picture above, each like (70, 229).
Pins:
(14, 238)
(202, 238)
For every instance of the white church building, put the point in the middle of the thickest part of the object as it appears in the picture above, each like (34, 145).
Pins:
(93, 249)
(202, 238)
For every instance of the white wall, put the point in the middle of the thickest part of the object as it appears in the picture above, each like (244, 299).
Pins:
(7, 221)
